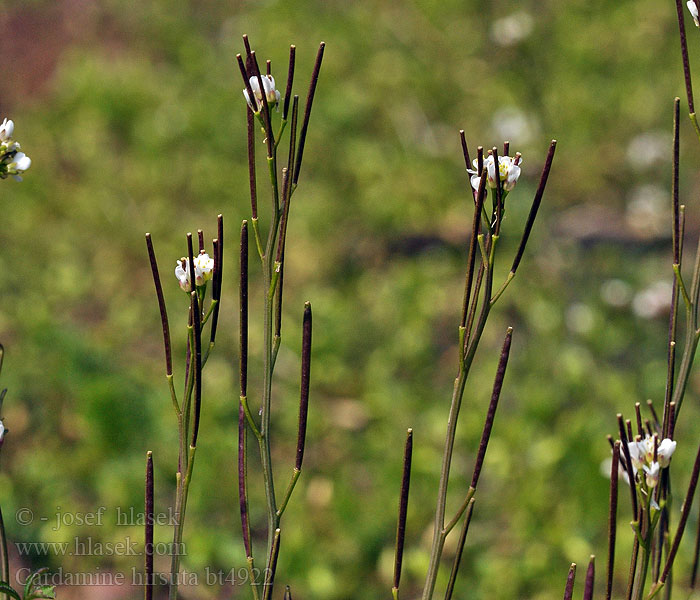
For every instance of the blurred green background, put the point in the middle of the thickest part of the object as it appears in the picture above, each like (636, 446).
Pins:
(134, 118)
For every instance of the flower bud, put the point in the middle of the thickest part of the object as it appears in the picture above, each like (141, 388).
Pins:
(6, 129)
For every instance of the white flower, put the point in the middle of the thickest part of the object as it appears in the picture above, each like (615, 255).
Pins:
(203, 271)
(20, 163)
(693, 8)
(6, 129)
(182, 272)
(652, 474)
(664, 452)
(2, 432)
(642, 454)
(272, 94)
(508, 171)
(203, 268)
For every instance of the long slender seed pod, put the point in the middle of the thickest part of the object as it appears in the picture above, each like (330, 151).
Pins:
(476, 226)
(148, 591)
(307, 111)
(403, 509)
(491, 414)
(243, 287)
(305, 378)
(161, 307)
(190, 321)
(287, 593)
(190, 261)
(293, 138)
(628, 462)
(685, 512)
(696, 554)
(246, 79)
(612, 518)
(243, 481)
(676, 236)
(218, 276)
(246, 43)
(465, 149)
(200, 239)
(671, 419)
(279, 294)
(286, 197)
(197, 322)
(460, 550)
(654, 414)
(467, 161)
(674, 183)
(251, 164)
(638, 414)
(684, 56)
(265, 111)
(290, 81)
(535, 206)
(590, 580)
(498, 208)
(569, 589)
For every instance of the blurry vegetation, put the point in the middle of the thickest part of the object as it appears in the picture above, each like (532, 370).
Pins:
(134, 118)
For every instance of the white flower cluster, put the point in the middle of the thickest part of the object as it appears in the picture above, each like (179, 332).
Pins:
(12, 161)
(693, 8)
(272, 94)
(508, 171)
(650, 456)
(203, 271)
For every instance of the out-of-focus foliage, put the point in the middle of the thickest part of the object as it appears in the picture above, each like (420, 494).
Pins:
(134, 118)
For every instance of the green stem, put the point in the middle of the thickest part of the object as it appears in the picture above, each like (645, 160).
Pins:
(288, 493)
(253, 579)
(694, 120)
(181, 510)
(439, 534)
(249, 417)
(264, 441)
(681, 284)
(212, 306)
(283, 124)
(450, 526)
(256, 235)
(5, 563)
(638, 590)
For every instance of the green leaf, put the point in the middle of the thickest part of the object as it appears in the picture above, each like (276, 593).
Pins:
(31, 579)
(47, 592)
(6, 589)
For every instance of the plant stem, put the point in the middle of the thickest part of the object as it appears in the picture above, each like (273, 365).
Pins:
(5, 563)
(457, 394)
